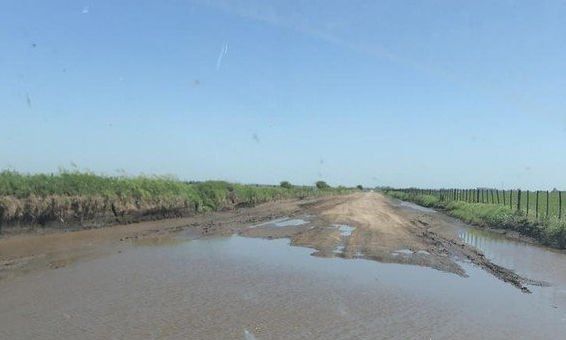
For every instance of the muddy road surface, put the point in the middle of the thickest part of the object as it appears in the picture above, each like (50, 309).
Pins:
(381, 268)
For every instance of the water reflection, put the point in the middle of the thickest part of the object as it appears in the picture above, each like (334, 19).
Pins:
(528, 260)
(219, 287)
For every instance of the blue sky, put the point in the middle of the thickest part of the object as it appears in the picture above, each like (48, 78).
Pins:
(399, 93)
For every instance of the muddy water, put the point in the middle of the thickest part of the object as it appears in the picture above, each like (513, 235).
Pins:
(528, 260)
(245, 288)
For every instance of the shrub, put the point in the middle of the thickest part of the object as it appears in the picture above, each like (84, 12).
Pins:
(322, 185)
(286, 185)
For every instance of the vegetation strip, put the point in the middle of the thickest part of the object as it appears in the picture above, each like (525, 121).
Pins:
(550, 231)
(78, 199)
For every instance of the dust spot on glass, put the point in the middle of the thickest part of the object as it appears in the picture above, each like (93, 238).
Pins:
(33, 45)
(196, 82)
(28, 100)
(255, 137)
(321, 161)
(85, 10)
(221, 55)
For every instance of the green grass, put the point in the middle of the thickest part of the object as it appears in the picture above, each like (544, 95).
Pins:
(549, 231)
(29, 198)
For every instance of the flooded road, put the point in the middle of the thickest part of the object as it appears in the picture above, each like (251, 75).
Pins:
(221, 287)
(243, 288)
(533, 261)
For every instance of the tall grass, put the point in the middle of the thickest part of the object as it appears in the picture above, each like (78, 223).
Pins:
(68, 197)
(549, 231)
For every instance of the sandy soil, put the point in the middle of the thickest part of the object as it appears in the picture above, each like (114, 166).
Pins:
(381, 231)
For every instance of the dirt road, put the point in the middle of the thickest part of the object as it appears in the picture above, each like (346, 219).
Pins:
(361, 225)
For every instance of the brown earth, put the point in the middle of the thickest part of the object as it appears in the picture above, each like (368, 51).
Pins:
(383, 232)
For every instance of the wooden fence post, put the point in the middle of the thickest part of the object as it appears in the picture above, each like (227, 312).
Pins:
(503, 191)
(536, 207)
(560, 205)
(519, 200)
(547, 199)
(528, 203)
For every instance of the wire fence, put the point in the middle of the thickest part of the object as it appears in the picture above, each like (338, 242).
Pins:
(534, 204)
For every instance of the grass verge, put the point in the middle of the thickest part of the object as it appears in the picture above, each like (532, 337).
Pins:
(86, 199)
(550, 232)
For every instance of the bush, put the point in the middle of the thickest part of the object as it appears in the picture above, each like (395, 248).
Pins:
(322, 185)
(360, 187)
(286, 185)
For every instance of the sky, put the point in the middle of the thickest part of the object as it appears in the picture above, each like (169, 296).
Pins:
(380, 93)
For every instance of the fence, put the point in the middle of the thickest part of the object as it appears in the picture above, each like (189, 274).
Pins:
(537, 204)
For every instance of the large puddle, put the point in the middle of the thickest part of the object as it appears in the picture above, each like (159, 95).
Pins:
(531, 261)
(249, 288)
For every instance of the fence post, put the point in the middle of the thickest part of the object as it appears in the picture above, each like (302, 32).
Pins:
(536, 207)
(528, 203)
(511, 198)
(503, 191)
(478, 196)
(560, 205)
(547, 199)
(497, 194)
(519, 200)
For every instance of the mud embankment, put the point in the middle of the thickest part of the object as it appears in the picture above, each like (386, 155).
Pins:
(79, 212)
(56, 212)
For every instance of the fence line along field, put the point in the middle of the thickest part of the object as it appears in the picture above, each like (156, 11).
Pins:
(539, 214)
(537, 204)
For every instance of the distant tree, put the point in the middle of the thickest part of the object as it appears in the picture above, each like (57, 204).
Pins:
(286, 184)
(322, 185)
(360, 187)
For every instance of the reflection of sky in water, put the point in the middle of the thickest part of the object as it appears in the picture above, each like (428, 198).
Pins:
(282, 222)
(242, 280)
(345, 230)
(531, 261)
